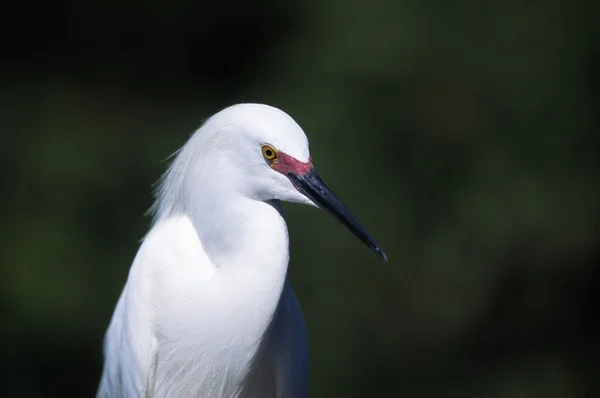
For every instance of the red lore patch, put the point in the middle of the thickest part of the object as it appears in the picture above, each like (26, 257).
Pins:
(289, 164)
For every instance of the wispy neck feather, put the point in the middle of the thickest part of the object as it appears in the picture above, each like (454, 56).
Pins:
(171, 188)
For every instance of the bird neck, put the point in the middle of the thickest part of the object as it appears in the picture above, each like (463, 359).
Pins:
(236, 231)
(239, 232)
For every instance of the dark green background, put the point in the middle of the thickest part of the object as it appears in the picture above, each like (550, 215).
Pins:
(465, 135)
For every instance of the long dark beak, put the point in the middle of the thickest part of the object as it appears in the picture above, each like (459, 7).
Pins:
(315, 189)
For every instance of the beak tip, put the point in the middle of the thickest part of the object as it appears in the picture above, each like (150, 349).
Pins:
(381, 254)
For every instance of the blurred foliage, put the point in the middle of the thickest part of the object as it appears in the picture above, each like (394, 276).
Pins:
(464, 135)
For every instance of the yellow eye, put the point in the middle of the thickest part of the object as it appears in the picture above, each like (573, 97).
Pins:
(270, 153)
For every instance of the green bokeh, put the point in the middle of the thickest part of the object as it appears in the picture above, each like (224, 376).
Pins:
(465, 136)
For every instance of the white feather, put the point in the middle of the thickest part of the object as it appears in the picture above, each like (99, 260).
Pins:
(207, 310)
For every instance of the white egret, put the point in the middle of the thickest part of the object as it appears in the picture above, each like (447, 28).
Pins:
(207, 310)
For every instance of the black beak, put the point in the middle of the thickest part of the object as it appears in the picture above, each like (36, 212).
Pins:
(315, 189)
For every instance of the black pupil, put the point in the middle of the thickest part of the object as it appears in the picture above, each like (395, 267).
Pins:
(269, 153)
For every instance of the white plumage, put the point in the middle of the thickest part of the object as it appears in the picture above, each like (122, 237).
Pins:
(207, 310)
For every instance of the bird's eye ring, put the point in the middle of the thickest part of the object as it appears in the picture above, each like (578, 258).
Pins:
(270, 153)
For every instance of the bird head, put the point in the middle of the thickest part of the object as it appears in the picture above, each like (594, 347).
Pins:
(260, 152)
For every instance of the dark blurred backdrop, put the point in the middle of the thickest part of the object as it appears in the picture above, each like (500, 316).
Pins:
(465, 135)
